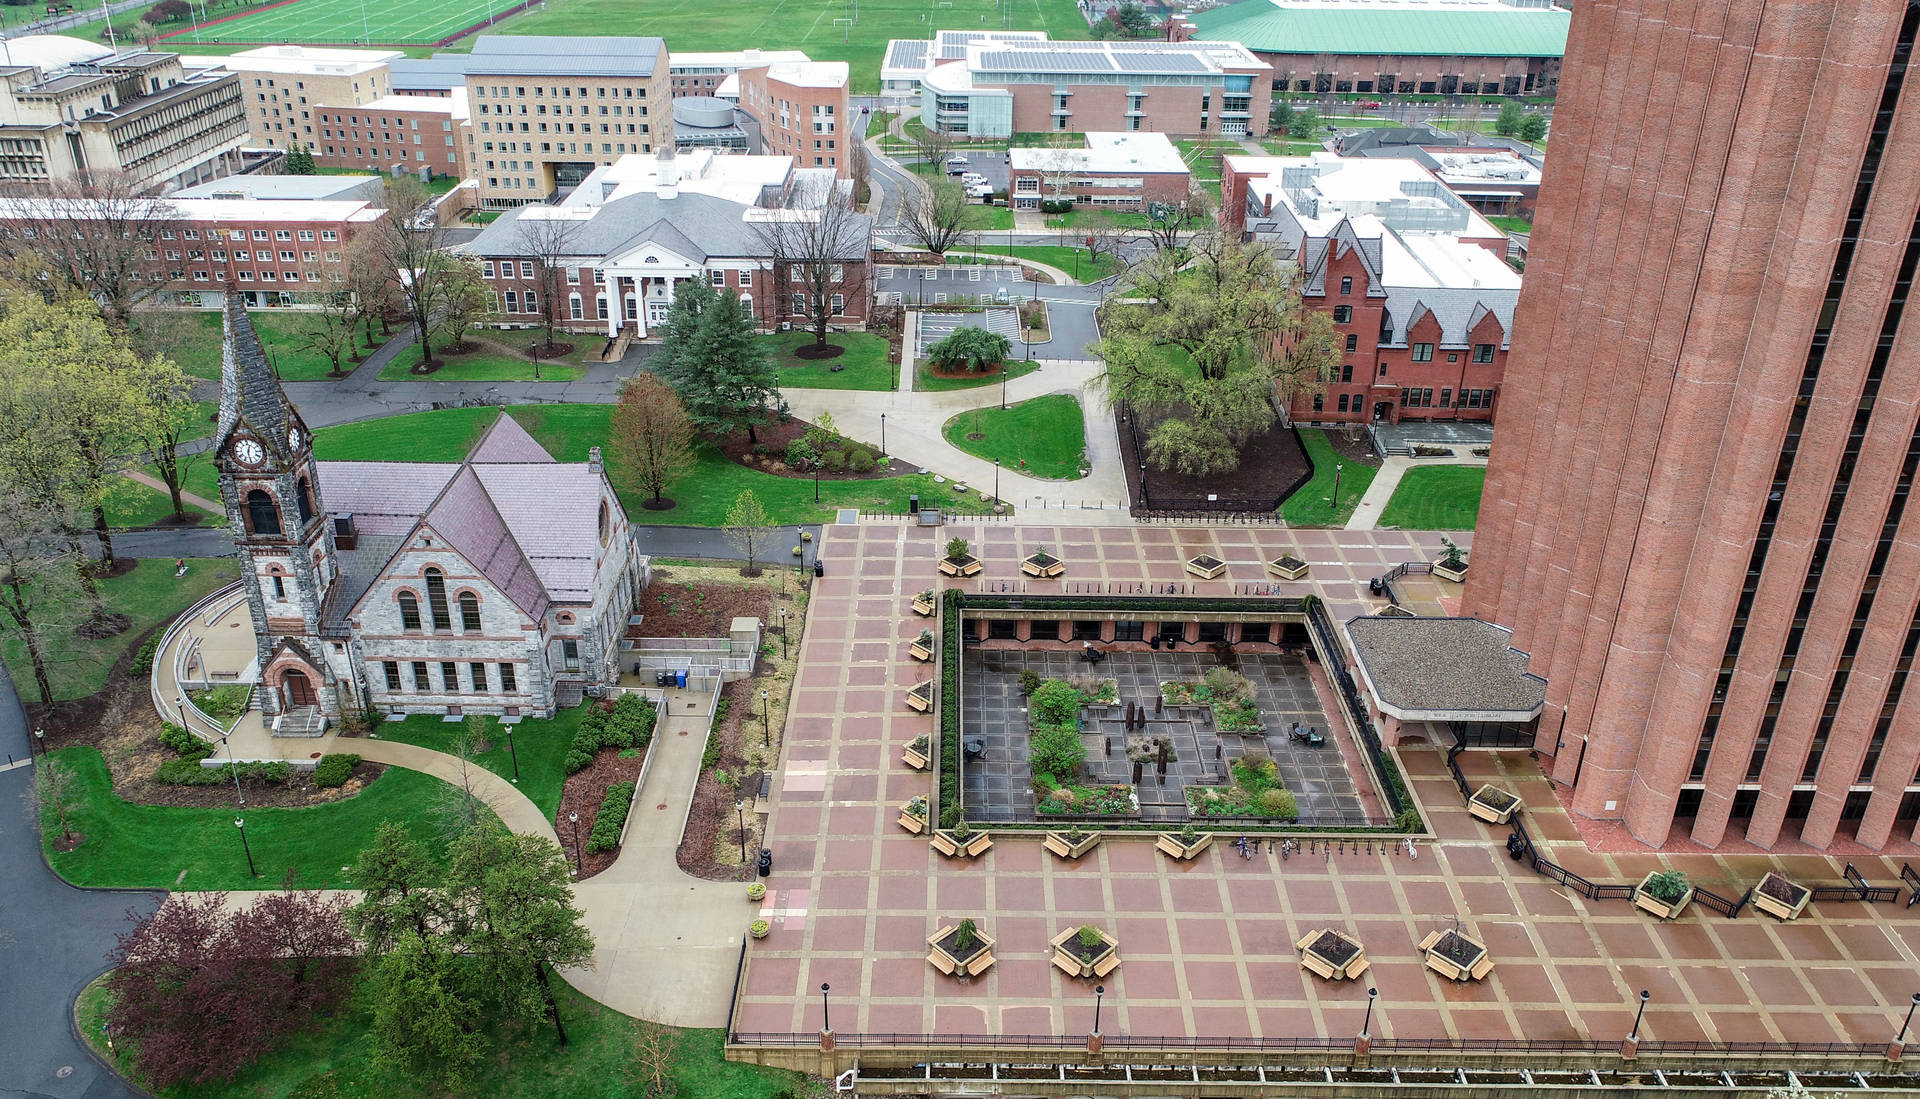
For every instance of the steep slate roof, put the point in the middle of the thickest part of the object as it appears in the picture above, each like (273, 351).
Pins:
(1457, 309)
(700, 227)
(1274, 26)
(249, 389)
(507, 441)
(382, 497)
(562, 544)
(464, 515)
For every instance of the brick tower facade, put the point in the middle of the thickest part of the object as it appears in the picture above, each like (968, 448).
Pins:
(1695, 517)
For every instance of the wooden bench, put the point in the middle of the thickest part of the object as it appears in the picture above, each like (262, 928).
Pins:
(939, 960)
(1314, 965)
(1107, 964)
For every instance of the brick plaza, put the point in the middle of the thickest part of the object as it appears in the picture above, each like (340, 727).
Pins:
(1207, 947)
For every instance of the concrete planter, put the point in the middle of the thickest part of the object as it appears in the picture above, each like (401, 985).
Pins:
(913, 822)
(965, 566)
(1456, 955)
(1043, 565)
(1329, 954)
(1206, 566)
(1777, 907)
(1071, 961)
(921, 697)
(1170, 843)
(1065, 846)
(916, 758)
(973, 845)
(1288, 567)
(921, 650)
(1493, 805)
(1647, 902)
(1458, 576)
(943, 954)
(924, 605)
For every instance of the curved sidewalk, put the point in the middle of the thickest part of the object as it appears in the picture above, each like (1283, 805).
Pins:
(515, 809)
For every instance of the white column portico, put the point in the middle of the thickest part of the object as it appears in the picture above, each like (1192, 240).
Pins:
(652, 276)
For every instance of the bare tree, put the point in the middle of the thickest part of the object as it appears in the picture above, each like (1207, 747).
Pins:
(748, 528)
(373, 287)
(940, 217)
(931, 145)
(409, 244)
(1167, 221)
(1103, 236)
(461, 302)
(650, 1075)
(458, 807)
(819, 258)
(40, 601)
(101, 233)
(652, 437)
(329, 329)
(860, 170)
(1055, 166)
(55, 792)
(549, 242)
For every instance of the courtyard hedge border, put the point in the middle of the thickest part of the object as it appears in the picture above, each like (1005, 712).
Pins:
(612, 818)
(1290, 605)
(950, 803)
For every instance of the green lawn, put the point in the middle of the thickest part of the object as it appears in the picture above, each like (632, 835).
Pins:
(1312, 505)
(1204, 166)
(335, 1059)
(132, 504)
(1292, 147)
(479, 366)
(1070, 260)
(925, 381)
(1095, 219)
(1048, 434)
(863, 366)
(280, 333)
(148, 594)
(132, 846)
(540, 745)
(1510, 224)
(793, 25)
(703, 495)
(994, 217)
(878, 121)
(1436, 498)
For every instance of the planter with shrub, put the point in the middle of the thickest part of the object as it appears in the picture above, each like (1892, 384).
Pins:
(958, 562)
(961, 950)
(1664, 893)
(1085, 951)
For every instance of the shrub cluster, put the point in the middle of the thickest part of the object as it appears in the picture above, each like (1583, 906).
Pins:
(1056, 205)
(627, 724)
(334, 769)
(182, 743)
(612, 818)
(950, 809)
(188, 772)
(143, 656)
(1056, 751)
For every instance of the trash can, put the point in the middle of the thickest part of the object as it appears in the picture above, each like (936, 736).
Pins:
(766, 861)
(819, 569)
(1514, 846)
(913, 504)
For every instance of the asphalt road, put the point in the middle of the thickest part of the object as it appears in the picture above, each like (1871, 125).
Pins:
(56, 940)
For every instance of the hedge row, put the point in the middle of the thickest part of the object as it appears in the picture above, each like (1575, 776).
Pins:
(188, 772)
(612, 819)
(950, 807)
(628, 724)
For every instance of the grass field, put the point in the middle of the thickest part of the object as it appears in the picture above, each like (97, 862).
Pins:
(132, 504)
(132, 846)
(1510, 224)
(791, 25)
(1292, 147)
(1435, 498)
(480, 366)
(1048, 434)
(926, 381)
(280, 333)
(1204, 164)
(149, 595)
(1312, 505)
(863, 366)
(702, 496)
(541, 747)
(335, 1059)
(389, 22)
(1070, 260)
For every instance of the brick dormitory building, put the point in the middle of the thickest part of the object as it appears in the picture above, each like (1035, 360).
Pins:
(1421, 295)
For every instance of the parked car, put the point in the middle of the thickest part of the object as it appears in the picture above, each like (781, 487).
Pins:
(956, 165)
(980, 190)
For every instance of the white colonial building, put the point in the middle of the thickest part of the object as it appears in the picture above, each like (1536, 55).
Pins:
(499, 584)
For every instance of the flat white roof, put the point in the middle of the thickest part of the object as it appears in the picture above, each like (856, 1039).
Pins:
(1107, 153)
(1474, 165)
(809, 74)
(200, 210)
(734, 177)
(677, 61)
(1346, 186)
(308, 60)
(1423, 260)
(453, 106)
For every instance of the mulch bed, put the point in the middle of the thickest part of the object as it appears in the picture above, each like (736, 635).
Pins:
(1334, 948)
(1272, 465)
(104, 626)
(712, 808)
(776, 436)
(672, 607)
(1782, 890)
(1458, 950)
(819, 351)
(583, 793)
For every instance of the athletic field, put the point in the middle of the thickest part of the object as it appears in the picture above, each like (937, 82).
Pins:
(345, 22)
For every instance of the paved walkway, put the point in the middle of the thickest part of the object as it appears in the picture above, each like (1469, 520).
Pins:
(187, 498)
(1366, 514)
(515, 809)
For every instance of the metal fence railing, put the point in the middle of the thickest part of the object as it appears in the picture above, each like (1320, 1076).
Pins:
(1336, 665)
(1012, 1043)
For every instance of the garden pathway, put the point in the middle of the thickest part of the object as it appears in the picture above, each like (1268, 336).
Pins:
(187, 498)
(515, 809)
(1366, 514)
(666, 942)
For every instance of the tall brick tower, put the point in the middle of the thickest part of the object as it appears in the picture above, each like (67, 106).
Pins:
(1696, 513)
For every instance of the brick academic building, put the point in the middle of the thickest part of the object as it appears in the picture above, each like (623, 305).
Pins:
(1696, 514)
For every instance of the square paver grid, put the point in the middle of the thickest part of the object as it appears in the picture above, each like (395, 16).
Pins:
(998, 783)
(1207, 945)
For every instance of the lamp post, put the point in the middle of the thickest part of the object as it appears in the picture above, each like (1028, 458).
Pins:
(241, 824)
(1902, 1040)
(515, 756)
(40, 738)
(826, 1022)
(883, 434)
(740, 812)
(578, 867)
(1645, 995)
(766, 722)
(1098, 992)
(996, 480)
(1366, 1027)
(1337, 467)
(783, 633)
(816, 482)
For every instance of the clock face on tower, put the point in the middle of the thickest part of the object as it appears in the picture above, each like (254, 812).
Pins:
(294, 438)
(249, 452)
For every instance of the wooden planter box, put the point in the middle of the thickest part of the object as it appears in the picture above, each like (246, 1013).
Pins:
(922, 653)
(921, 697)
(924, 607)
(1458, 576)
(966, 566)
(1060, 844)
(941, 957)
(1486, 803)
(1066, 955)
(1444, 958)
(917, 760)
(1774, 906)
(911, 823)
(1206, 566)
(1288, 567)
(1172, 844)
(1647, 902)
(975, 845)
(1043, 567)
(1328, 953)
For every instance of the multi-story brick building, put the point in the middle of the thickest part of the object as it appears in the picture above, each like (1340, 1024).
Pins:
(500, 584)
(1697, 514)
(1002, 84)
(285, 85)
(548, 111)
(641, 227)
(1423, 47)
(1421, 297)
(702, 74)
(68, 106)
(275, 252)
(1111, 172)
(803, 111)
(410, 132)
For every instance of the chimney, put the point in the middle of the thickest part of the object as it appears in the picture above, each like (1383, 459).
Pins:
(593, 460)
(668, 173)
